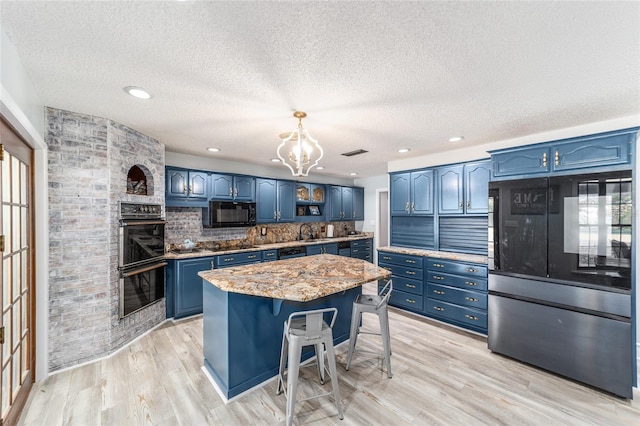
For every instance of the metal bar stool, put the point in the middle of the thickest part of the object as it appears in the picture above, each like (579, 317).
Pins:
(376, 304)
(304, 329)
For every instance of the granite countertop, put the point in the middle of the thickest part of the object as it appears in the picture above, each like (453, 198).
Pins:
(261, 247)
(438, 254)
(301, 279)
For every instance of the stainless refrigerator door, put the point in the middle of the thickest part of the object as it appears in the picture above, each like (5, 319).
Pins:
(588, 348)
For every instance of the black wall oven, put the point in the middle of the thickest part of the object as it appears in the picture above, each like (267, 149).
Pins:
(560, 276)
(141, 263)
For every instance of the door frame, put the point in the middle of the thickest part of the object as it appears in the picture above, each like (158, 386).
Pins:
(381, 208)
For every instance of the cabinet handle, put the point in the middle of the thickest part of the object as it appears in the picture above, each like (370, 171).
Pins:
(230, 192)
(438, 308)
(438, 265)
(406, 207)
(410, 261)
(438, 277)
(275, 214)
(253, 256)
(235, 192)
(410, 272)
(460, 204)
(470, 299)
(410, 300)
(228, 259)
(270, 254)
(410, 285)
(471, 283)
(468, 204)
(471, 270)
(438, 292)
(212, 264)
(413, 207)
(386, 267)
(471, 317)
(184, 189)
(386, 258)
(557, 158)
(279, 215)
(544, 160)
(190, 189)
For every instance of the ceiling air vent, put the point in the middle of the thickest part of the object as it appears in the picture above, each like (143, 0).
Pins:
(356, 152)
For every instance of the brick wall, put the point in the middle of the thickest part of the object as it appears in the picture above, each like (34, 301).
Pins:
(89, 158)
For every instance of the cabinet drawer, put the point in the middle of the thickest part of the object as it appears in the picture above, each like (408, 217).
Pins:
(361, 243)
(401, 259)
(406, 300)
(237, 259)
(469, 283)
(407, 285)
(269, 255)
(460, 314)
(402, 271)
(459, 268)
(457, 296)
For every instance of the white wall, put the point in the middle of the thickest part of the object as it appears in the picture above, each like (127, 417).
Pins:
(370, 184)
(21, 106)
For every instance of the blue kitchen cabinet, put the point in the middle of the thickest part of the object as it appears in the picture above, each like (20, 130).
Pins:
(310, 193)
(230, 187)
(464, 188)
(184, 297)
(358, 203)
(340, 203)
(185, 187)
(412, 193)
(592, 153)
(275, 201)
(330, 248)
(407, 274)
(450, 190)
(362, 249)
(236, 259)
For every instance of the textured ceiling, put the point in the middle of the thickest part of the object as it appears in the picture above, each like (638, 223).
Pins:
(373, 75)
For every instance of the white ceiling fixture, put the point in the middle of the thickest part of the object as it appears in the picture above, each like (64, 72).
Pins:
(138, 92)
(298, 150)
(403, 150)
(213, 149)
(275, 160)
(456, 139)
(353, 174)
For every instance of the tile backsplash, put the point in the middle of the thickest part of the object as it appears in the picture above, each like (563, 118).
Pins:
(186, 222)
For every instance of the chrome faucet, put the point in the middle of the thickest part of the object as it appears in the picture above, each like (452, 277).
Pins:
(310, 231)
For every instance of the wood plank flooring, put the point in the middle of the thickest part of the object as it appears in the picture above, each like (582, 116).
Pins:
(442, 376)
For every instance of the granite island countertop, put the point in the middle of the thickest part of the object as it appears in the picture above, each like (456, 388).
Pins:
(300, 279)
(269, 246)
(437, 254)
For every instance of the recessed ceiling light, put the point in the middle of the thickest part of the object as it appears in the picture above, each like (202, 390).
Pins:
(353, 174)
(320, 168)
(456, 139)
(275, 160)
(138, 92)
(403, 150)
(213, 149)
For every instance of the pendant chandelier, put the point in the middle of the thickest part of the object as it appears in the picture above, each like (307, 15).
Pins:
(298, 150)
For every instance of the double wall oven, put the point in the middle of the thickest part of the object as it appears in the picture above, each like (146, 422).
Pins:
(141, 262)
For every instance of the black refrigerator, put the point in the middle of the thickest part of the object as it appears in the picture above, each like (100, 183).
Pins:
(560, 277)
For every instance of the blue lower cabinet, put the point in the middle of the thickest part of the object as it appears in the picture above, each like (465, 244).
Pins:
(362, 249)
(331, 248)
(473, 319)
(406, 300)
(243, 258)
(269, 255)
(184, 292)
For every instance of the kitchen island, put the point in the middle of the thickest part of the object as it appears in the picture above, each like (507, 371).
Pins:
(245, 308)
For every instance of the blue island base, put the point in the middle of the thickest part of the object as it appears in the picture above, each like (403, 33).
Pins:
(243, 334)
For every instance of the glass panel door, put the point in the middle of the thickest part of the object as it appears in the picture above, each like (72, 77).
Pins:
(16, 272)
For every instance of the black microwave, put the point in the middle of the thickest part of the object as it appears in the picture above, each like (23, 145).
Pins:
(229, 214)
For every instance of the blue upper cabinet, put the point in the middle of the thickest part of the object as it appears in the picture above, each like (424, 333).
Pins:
(358, 203)
(185, 187)
(451, 194)
(521, 161)
(345, 203)
(600, 152)
(476, 187)
(464, 188)
(604, 151)
(229, 187)
(309, 193)
(275, 201)
(412, 193)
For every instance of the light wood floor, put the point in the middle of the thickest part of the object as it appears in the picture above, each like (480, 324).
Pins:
(441, 376)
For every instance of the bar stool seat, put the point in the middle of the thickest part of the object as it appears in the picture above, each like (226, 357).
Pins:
(301, 329)
(375, 304)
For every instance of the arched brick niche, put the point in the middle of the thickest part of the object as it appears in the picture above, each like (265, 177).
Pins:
(139, 180)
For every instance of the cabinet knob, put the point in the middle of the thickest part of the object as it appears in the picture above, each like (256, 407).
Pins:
(410, 273)
(544, 160)
(471, 270)
(275, 214)
(410, 285)
(406, 207)
(557, 158)
(471, 317)
(470, 299)
(438, 292)
(410, 261)
(230, 192)
(184, 189)
(253, 256)
(413, 206)
(438, 277)
(228, 259)
(438, 308)
(471, 283)
(410, 300)
(235, 192)
(212, 264)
